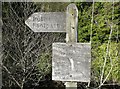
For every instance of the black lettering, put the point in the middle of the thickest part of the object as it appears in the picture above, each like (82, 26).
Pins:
(46, 25)
(58, 25)
(42, 19)
(34, 25)
(34, 18)
(52, 26)
(41, 25)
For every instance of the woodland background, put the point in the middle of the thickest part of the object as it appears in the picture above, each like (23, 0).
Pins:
(26, 61)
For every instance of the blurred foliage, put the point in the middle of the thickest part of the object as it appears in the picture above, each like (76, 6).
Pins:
(51, 6)
(44, 64)
(105, 19)
(24, 50)
(112, 61)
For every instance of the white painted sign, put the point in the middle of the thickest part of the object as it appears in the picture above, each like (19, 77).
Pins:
(47, 22)
(71, 62)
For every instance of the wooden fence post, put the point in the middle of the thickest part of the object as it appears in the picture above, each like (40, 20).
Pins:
(71, 33)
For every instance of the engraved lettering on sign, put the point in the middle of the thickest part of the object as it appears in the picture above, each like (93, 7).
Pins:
(47, 22)
(42, 22)
(40, 19)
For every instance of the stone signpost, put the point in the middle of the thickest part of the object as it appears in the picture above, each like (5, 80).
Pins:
(71, 61)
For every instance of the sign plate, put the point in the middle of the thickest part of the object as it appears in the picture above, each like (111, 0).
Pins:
(47, 22)
(71, 62)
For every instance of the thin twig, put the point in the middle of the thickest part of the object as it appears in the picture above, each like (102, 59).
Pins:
(107, 51)
(11, 75)
(92, 21)
(92, 27)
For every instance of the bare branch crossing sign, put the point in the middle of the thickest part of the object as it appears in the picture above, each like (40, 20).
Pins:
(71, 61)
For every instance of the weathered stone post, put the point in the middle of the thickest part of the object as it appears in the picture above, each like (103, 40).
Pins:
(71, 33)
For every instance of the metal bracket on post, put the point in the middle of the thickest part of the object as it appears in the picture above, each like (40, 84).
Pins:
(71, 33)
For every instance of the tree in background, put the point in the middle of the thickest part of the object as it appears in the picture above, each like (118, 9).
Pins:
(27, 55)
(105, 39)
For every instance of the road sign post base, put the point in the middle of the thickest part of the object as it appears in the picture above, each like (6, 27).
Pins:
(71, 85)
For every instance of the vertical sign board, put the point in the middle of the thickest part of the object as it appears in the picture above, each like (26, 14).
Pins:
(47, 22)
(71, 62)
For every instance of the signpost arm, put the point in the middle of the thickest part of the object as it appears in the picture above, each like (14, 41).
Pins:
(71, 33)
